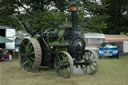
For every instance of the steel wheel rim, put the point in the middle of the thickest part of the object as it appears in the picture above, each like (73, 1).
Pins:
(30, 55)
(64, 65)
(91, 62)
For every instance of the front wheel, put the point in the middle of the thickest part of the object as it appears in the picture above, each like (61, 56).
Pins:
(64, 64)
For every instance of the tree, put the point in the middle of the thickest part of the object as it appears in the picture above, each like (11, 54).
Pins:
(107, 16)
(36, 14)
(118, 11)
(94, 16)
(7, 11)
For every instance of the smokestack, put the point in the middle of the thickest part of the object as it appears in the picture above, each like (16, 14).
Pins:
(73, 7)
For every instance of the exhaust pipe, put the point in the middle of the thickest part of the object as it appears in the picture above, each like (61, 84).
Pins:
(73, 7)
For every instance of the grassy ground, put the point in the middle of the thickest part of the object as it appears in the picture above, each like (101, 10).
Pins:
(111, 72)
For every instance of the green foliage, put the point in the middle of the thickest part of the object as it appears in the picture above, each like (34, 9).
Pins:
(36, 14)
(94, 25)
(7, 11)
(38, 20)
(108, 16)
(117, 10)
(95, 22)
(11, 21)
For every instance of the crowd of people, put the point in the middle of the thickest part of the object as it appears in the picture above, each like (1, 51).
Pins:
(4, 54)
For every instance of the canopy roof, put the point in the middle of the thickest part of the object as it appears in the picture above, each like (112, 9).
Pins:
(119, 38)
(5, 27)
(94, 35)
(4, 40)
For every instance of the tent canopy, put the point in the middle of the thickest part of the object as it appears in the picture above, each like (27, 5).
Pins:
(4, 40)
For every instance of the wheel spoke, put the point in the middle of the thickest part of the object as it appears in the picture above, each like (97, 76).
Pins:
(89, 54)
(94, 65)
(30, 64)
(32, 53)
(66, 59)
(93, 58)
(61, 72)
(25, 62)
(86, 68)
(30, 47)
(67, 70)
(63, 58)
(27, 48)
(24, 55)
(90, 68)
(32, 58)
(58, 58)
(93, 61)
(86, 56)
(23, 48)
(23, 45)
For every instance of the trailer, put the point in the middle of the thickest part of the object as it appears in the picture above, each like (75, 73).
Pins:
(8, 33)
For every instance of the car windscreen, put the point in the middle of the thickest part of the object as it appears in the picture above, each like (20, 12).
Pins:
(108, 45)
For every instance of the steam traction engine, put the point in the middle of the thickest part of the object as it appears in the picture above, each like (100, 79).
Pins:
(62, 48)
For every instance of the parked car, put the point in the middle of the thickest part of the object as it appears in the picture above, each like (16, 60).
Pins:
(108, 49)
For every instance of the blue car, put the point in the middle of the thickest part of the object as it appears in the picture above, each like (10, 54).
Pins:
(108, 49)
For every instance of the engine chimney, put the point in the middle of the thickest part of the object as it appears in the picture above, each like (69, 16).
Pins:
(73, 7)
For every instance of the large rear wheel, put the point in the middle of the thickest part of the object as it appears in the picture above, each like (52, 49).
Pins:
(30, 55)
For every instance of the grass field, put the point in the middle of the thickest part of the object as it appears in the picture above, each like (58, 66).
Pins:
(111, 72)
